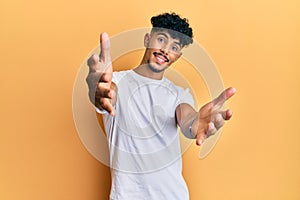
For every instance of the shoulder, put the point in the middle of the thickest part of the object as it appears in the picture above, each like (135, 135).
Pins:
(118, 75)
(174, 87)
(183, 95)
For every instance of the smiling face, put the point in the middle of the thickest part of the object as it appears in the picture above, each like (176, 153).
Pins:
(162, 50)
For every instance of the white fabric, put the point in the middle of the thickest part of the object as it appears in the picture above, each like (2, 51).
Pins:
(143, 139)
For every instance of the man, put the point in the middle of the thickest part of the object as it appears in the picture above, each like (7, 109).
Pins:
(142, 109)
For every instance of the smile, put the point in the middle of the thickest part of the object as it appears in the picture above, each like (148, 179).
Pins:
(160, 58)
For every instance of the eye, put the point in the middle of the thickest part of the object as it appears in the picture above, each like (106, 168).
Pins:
(161, 40)
(175, 48)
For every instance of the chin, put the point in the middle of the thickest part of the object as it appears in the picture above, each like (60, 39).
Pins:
(153, 68)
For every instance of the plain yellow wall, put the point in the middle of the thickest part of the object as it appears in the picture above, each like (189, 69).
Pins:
(255, 45)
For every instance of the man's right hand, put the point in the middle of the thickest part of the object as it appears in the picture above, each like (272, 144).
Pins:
(102, 91)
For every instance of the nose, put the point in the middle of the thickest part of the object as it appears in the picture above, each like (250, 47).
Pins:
(164, 49)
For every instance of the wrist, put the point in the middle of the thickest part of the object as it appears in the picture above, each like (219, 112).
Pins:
(193, 136)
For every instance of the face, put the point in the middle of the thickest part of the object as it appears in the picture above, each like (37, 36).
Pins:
(161, 50)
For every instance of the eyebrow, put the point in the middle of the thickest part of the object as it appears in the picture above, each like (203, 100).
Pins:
(161, 33)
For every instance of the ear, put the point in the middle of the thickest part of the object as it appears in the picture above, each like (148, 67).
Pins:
(146, 40)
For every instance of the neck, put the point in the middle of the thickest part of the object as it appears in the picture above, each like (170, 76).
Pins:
(144, 70)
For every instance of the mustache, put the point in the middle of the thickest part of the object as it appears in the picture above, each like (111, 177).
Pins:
(161, 54)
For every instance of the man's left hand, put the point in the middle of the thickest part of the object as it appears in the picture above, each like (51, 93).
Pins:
(211, 118)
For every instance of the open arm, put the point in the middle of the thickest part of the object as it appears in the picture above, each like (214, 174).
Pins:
(204, 123)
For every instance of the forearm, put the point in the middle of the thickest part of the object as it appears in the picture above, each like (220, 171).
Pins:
(186, 119)
(187, 127)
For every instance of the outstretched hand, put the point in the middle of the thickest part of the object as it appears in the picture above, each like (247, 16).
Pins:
(211, 118)
(101, 87)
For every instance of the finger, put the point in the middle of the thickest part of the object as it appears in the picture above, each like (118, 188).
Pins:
(106, 77)
(103, 90)
(200, 139)
(201, 135)
(92, 62)
(218, 120)
(206, 110)
(104, 93)
(106, 105)
(105, 48)
(225, 95)
(227, 114)
(211, 129)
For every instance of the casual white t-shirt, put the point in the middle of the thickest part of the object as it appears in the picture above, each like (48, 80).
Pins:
(143, 140)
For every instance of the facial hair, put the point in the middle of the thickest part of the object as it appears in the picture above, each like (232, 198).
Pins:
(153, 69)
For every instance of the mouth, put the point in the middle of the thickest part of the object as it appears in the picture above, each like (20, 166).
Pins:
(160, 58)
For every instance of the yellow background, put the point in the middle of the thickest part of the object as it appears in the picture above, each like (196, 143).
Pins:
(255, 45)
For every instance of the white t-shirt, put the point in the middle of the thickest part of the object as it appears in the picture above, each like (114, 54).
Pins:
(143, 139)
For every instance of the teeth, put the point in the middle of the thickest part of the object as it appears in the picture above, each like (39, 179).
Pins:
(160, 60)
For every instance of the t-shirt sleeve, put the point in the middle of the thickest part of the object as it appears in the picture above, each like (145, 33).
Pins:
(184, 96)
(102, 112)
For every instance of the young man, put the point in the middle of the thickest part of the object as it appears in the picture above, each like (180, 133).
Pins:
(142, 109)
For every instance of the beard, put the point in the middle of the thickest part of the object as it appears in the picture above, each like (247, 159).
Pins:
(152, 67)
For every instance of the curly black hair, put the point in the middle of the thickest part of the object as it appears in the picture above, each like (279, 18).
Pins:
(176, 26)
